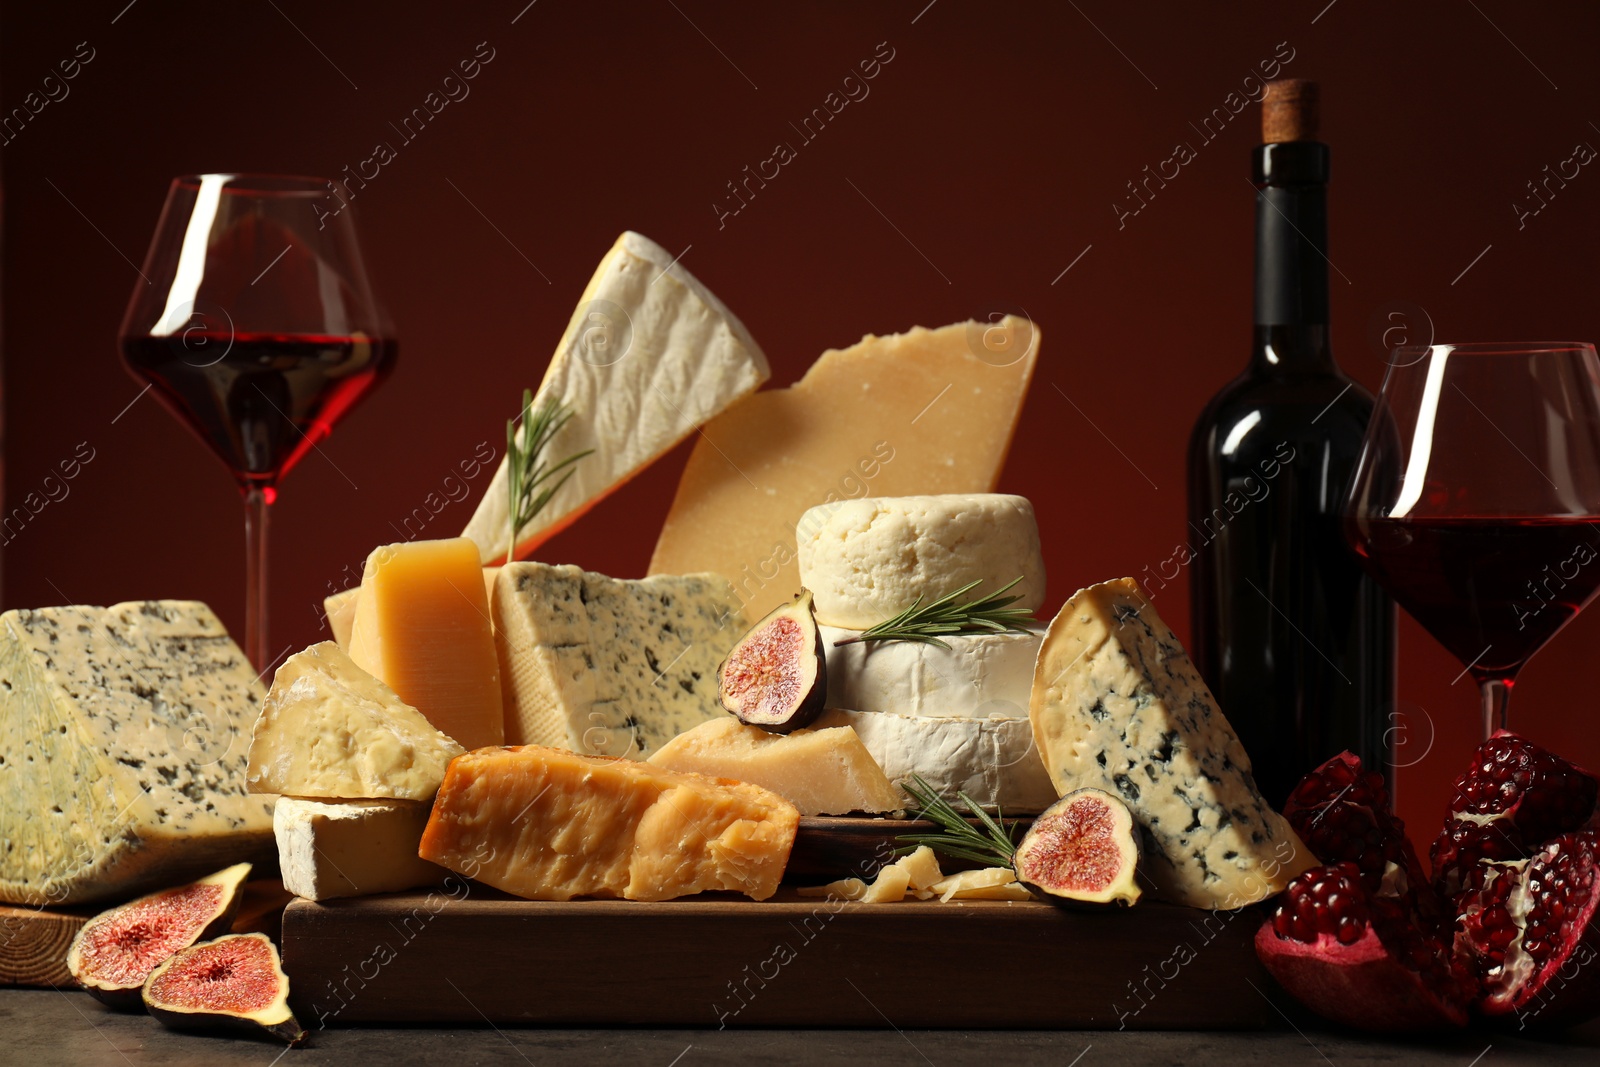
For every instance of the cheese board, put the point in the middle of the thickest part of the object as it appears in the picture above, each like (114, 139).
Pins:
(477, 955)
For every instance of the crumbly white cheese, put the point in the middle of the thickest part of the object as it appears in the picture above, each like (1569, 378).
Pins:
(608, 666)
(347, 848)
(1118, 705)
(648, 356)
(123, 738)
(330, 729)
(869, 559)
(992, 760)
(975, 677)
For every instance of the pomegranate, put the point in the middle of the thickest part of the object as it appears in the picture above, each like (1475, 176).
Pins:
(1357, 958)
(1506, 926)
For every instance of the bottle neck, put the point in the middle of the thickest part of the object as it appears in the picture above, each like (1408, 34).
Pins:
(1291, 297)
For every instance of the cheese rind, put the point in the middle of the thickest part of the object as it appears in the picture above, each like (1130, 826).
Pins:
(329, 729)
(992, 760)
(422, 626)
(821, 772)
(648, 356)
(928, 411)
(1118, 705)
(868, 560)
(123, 735)
(347, 848)
(608, 666)
(977, 676)
(547, 824)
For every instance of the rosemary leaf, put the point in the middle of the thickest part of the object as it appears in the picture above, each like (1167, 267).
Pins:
(958, 838)
(528, 475)
(949, 615)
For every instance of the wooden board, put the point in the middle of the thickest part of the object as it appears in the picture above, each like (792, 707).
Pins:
(34, 943)
(470, 955)
(829, 847)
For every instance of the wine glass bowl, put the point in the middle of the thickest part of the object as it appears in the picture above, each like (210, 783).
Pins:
(1476, 500)
(255, 324)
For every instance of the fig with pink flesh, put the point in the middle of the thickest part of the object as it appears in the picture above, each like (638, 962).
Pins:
(235, 981)
(116, 950)
(776, 676)
(1082, 850)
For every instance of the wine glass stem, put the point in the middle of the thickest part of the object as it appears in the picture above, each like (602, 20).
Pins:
(1496, 700)
(255, 588)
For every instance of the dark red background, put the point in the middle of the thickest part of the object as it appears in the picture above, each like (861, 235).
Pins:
(994, 144)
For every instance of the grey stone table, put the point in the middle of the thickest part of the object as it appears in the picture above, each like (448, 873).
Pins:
(42, 1028)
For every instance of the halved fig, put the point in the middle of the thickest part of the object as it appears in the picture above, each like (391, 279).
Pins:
(116, 950)
(1082, 850)
(234, 981)
(776, 676)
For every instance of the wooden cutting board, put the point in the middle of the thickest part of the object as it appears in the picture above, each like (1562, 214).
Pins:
(471, 955)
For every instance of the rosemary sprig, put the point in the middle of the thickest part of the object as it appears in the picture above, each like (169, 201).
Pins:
(945, 616)
(526, 469)
(959, 839)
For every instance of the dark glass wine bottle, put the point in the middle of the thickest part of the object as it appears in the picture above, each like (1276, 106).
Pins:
(1295, 640)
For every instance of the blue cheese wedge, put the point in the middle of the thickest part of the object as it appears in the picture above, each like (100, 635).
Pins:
(1118, 705)
(123, 740)
(607, 666)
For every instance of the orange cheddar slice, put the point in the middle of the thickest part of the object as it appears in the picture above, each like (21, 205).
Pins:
(548, 824)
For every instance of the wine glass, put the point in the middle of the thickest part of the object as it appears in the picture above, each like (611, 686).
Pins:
(254, 323)
(1476, 499)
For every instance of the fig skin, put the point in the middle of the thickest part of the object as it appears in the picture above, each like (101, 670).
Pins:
(812, 696)
(275, 1018)
(127, 997)
(1120, 890)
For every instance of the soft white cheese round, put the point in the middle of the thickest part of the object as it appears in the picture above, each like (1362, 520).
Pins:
(978, 676)
(869, 559)
(993, 761)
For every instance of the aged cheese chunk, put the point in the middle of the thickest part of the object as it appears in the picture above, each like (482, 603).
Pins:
(422, 626)
(607, 666)
(992, 760)
(330, 729)
(648, 357)
(921, 867)
(348, 848)
(868, 560)
(547, 824)
(1117, 705)
(340, 608)
(929, 411)
(821, 772)
(976, 676)
(123, 736)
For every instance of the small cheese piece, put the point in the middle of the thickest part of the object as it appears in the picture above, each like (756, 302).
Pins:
(921, 867)
(340, 608)
(349, 848)
(122, 752)
(988, 883)
(821, 772)
(340, 611)
(649, 356)
(977, 676)
(1118, 705)
(929, 411)
(992, 760)
(868, 560)
(890, 886)
(330, 729)
(607, 666)
(422, 626)
(547, 824)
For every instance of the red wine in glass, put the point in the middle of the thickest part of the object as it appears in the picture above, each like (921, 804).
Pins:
(261, 402)
(255, 324)
(1476, 501)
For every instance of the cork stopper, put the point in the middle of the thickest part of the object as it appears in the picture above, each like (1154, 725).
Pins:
(1289, 111)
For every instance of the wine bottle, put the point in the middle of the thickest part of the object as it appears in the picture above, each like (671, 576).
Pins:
(1296, 642)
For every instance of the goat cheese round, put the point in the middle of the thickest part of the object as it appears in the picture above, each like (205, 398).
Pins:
(977, 676)
(869, 559)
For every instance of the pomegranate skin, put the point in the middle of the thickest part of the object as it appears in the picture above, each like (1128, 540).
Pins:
(1360, 985)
